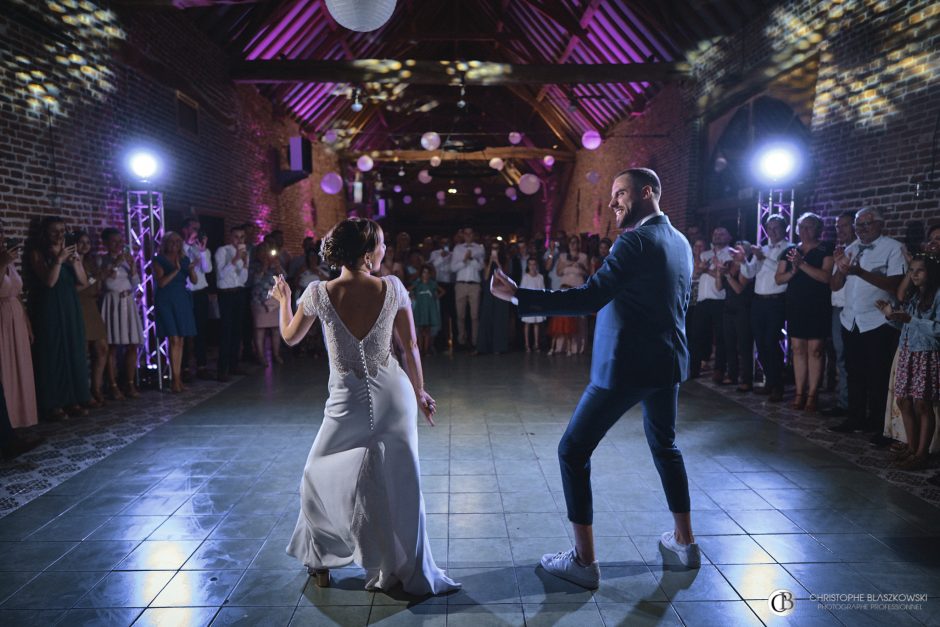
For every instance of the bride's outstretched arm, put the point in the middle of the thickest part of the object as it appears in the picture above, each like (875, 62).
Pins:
(405, 331)
(294, 326)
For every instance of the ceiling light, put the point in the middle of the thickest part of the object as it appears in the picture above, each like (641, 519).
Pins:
(356, 105)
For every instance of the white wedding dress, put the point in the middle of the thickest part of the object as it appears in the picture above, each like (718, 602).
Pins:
(360, 496)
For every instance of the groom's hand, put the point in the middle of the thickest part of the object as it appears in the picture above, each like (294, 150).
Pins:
(502, 287)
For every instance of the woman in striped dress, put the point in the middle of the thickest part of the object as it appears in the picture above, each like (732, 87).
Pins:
(119, 310)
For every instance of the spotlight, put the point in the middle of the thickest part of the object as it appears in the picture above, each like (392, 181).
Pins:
(776, 163)
(143, 164)
(356, 105)
(451, 190)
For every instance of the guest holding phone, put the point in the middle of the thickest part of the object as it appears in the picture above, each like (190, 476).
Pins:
(493, 334)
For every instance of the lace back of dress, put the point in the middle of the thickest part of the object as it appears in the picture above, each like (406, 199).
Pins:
(347, 354)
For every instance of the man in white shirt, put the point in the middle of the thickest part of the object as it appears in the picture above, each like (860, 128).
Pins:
(231, 262)
(466, 263)
(768, 309)
(870, 269)
(710, 307)
(845, 235)
(200, 259)
(441, 259)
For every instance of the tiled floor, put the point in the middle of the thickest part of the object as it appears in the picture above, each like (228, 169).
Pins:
(187, 525)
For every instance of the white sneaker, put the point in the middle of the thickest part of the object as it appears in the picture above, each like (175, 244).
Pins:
(565, 565)
(687, 554)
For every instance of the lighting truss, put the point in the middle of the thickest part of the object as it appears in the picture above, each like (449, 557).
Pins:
(145, 225)
(775, 202)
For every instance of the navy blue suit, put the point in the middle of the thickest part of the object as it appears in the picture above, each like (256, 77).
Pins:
(641, 294)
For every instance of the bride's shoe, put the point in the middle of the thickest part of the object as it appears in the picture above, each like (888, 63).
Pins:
(322, 576)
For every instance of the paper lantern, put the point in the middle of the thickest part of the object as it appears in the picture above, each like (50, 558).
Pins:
(477, 190)
(548, 160)
(515, 138)
(441, 195)
(430, 140)
(424, 177)
(591, 140)
(481, 201)
(330, 136)
(331, 183)
(496, 163)
(364, 163)
(511, 193)
(435, 161)
(361, 15)
(397, 189)
(593, 177)
(406, 200)
(529, 184)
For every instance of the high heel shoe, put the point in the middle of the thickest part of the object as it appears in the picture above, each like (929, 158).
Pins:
(810, 407)
(322, 576)
(799, 401)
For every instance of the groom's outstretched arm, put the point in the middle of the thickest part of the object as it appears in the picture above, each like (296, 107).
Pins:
(616, 272)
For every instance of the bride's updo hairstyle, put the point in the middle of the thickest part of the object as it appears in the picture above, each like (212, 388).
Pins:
(347, 242)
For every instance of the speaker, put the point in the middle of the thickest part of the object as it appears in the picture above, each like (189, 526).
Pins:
(301, 158)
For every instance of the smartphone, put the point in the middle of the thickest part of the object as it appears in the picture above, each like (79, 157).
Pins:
(71, 238)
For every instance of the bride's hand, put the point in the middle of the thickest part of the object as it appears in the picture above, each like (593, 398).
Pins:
(281, 290)
(428, 406)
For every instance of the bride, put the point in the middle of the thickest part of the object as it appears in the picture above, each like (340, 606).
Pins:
(360, 493)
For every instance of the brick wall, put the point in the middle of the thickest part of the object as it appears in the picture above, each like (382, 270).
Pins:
(874, 112)
(122, 91)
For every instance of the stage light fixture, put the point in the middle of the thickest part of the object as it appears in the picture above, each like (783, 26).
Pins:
(776, 163)
(143, 164)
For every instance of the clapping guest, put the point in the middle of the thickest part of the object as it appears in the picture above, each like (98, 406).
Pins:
(736, 319)
(16, 360)
(710, 307)
(574, 269)
(264, 307)
(119, 310)
(59, 357)
(96, 334)
(440, 258)
(195, 246)
(231, 262)
(806, 270)
(845, 235)
(173, 304)
(493, 334)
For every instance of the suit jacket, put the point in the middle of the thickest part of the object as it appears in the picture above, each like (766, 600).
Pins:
(641, 294)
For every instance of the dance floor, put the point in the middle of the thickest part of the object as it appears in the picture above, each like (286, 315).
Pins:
(187, 524)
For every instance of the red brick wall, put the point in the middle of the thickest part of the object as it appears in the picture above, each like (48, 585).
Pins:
(227, 168)
(874, 112)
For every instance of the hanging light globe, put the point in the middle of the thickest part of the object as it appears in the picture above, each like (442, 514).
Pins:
(424, 176)
(481, 200)
(496, 163)
(548, 160)
(361, 15)
(515, 138)
(511, 193)
(591, 140)
(435, 161)
(331, 183)
(430, 141)
(406, 200)
(529, 184)
(364, 163)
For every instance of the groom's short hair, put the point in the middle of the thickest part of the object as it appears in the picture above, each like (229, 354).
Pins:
(642, 177)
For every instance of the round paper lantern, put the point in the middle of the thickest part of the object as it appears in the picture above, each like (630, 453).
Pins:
(515, 138)
(331, 183)
(496, 163)
(441, 195)
(364, 163)
(406, 200)
(330, 136)
(424, 177)
(529, 184)
(593, 177)
(435, 161)
(361, 15)
(397, 189)
(481, 201)
(591, 140)
(511, 193)
(548, 160)
(477, 190)
(430, 140)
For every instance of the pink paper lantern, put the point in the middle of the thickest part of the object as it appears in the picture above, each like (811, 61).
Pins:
(481, 200)
(364, 163)
(529, 184)
(477, 190)
(511, 193)
(406, 200)
(435, 161)
(331, 183)
(430, 140)
(424, 176)
(515, 138)
(548, 160)
(593, 177)
(591, 140)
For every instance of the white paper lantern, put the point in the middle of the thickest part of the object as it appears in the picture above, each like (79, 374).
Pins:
(515, 138)
(481, 201)
(548, 160)
(331, 183)
(441, 195)
(430, 140)
(406, 200)
(477, 190)
(330, 136)
(511, 193)
(435, 161)
(593, 177)
(591, 140)
(364, 163)
(424, 176)
(496, 163)
(529, 184)
(397, 189)
(361, 15)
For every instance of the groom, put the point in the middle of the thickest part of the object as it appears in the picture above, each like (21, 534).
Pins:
(640, 356)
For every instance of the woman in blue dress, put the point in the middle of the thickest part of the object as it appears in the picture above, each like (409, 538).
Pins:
(173, 304)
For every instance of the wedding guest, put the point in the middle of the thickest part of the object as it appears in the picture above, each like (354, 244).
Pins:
(736, 322)
(466, 263)
(444, 275)
(195, 246)
(173, 305)
(532, 280)
(120, 311)
(845, 235)
(299, 262)
(699, 348)
(231, 262)
(11, 444)
(806, 270)
(59, 356)
(493, 334)
(96, 334)
(264, 308)
(16, 335)
(425, 294)
(710, 306)
(574, 269)
(870, 269)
